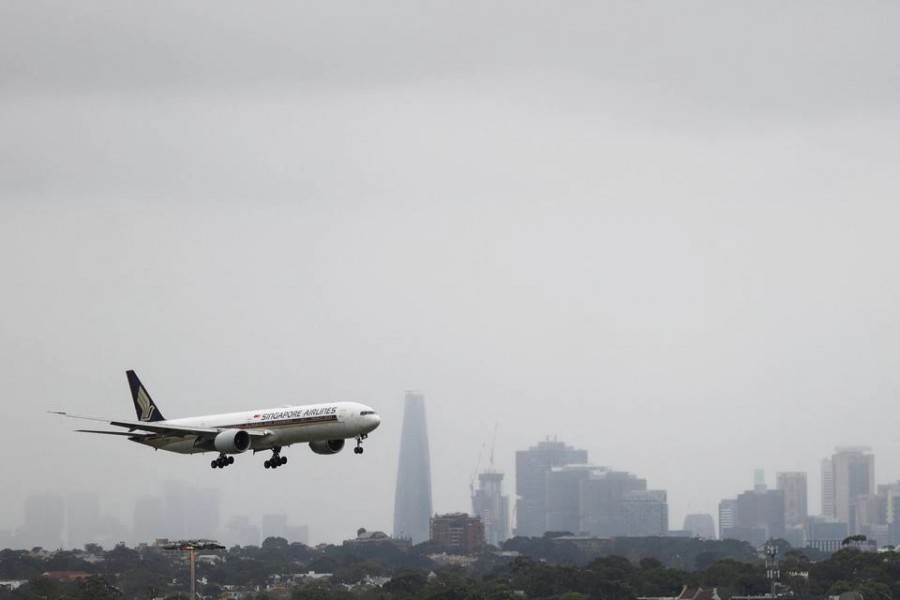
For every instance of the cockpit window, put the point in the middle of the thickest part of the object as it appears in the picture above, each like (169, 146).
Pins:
(367, 412)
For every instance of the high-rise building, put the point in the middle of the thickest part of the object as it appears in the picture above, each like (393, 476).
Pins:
(239, 530)
(189, 512)
(701, 526)
(412, 500)
(828, 489)
(175, 500)
(298, 534)
(889, 501)
(646, 513)
(759, 516)
(602, 502)
(727, 516)
(45, 518)
(492, 507)
(564, 496)
(274, 526)
(532, 466)
(891, 493)
(202, 512)
(854, 476)
(759, 480)
(793, 484)
(820, 529)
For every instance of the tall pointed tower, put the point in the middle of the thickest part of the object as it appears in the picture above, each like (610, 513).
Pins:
(412, 501)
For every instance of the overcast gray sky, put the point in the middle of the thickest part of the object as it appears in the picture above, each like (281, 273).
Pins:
(666, 232)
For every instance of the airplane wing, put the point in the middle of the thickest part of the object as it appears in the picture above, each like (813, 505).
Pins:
(159, 427)
(123, 433)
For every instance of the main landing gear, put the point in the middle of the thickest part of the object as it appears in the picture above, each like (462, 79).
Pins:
(277, 460)
(222, 462)
(359, 448)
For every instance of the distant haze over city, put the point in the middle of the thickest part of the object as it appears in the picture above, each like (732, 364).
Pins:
(662, 233)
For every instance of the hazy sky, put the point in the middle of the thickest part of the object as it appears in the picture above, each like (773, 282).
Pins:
(664, 232)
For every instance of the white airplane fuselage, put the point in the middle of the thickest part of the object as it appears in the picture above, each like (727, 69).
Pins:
(284, 426)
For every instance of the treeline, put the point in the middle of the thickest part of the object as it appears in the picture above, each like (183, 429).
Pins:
(548, 568)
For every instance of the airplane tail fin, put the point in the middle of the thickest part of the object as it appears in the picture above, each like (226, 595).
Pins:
(143, 404)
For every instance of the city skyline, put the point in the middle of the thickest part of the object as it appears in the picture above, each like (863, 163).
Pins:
(82, 517)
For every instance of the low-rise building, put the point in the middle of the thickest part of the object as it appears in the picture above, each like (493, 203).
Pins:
(457, 533)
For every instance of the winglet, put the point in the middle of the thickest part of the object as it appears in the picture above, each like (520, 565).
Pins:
(143, 405)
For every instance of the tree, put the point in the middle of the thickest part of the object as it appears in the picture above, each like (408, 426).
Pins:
(853, 538)
(734, 577)
(122, 558)
(450, 586)
(320, 590)
(45, 588)
(96, 588)
(406, 584)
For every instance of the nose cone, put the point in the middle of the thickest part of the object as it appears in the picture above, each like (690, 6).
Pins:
(373, 422)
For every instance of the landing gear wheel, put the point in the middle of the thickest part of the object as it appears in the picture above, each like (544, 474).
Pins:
(230, 460)
(214, 464)
(277, 460)
(359, 439)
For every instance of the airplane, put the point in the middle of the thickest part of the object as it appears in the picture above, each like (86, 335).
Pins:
(325, 427)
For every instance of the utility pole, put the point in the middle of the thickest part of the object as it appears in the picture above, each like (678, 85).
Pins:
(191, 547)
(773, 574)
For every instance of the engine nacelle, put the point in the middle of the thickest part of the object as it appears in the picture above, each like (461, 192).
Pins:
(327, 446)
(232, 441)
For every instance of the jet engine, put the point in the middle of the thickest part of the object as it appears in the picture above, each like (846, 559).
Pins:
(327, 446)
(232, 441)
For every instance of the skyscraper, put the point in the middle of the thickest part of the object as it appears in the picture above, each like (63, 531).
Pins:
(759, 516)
(827, 489)
(700, 525)
(412, 500)
(489, 503)
(175, 500)
(854, 476)
(532, 467)
(45, 518)
(646, 513)
(274, 526)
(564, 496)
(793, 484)
(727, 516)
(602, 502)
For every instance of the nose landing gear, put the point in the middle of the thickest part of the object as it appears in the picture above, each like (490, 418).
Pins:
(359, 439)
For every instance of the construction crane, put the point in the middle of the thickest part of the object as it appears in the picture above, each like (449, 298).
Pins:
(475, 471)
(493, 443)
(478, 461)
